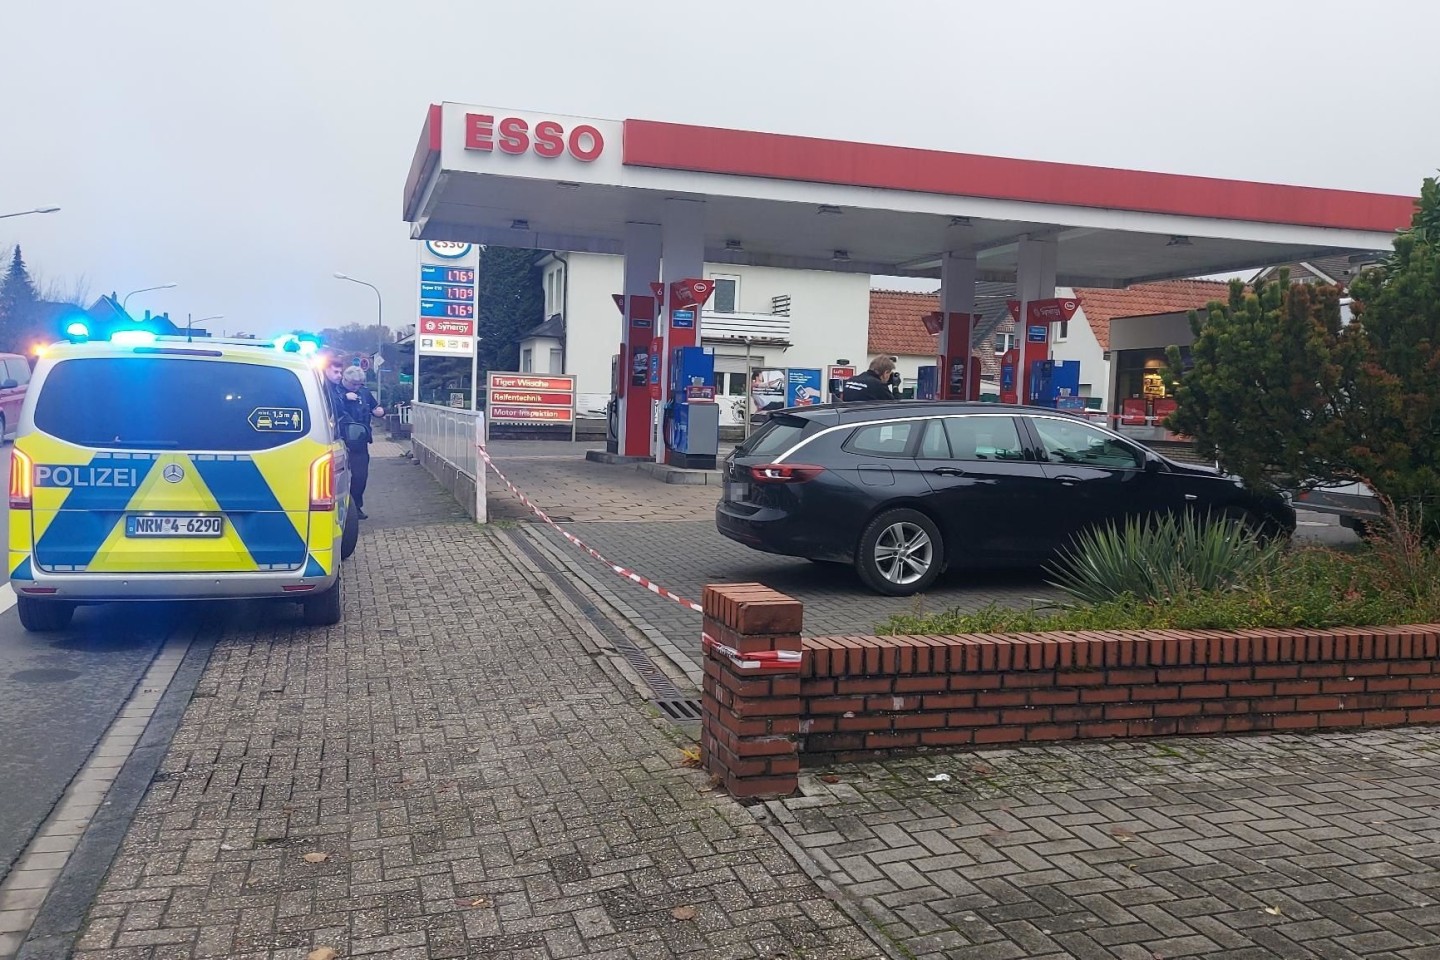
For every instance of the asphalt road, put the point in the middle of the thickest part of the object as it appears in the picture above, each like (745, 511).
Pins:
(58, 694)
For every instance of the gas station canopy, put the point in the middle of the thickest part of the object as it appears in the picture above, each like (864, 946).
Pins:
(523, 179)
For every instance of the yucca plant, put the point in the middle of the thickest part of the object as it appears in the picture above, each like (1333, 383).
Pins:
(1164, 558)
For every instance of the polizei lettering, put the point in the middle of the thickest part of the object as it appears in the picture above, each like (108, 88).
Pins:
(63, 476)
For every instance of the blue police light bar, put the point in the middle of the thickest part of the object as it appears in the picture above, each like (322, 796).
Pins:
(132, 338)
(77, 331)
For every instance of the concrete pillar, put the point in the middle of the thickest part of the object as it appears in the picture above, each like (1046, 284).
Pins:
(957, 306)
(642, 267)
(682, 256)
(1034, 280)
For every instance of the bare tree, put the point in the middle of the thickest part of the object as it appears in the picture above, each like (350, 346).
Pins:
(74, 290)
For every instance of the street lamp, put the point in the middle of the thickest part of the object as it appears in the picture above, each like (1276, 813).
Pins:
(190, 323)
(379, 314)
(163, 286)
(23, 213)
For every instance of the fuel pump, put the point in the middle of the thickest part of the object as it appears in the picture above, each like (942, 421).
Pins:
(692, 420)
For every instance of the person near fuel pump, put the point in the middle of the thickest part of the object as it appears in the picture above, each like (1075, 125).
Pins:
(359, 406)
(876, 383)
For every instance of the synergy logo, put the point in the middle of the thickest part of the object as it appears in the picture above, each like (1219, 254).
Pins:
(66, 476)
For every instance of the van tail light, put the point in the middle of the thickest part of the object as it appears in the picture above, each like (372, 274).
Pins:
(322, 483)
(785, 472)
(22, 480)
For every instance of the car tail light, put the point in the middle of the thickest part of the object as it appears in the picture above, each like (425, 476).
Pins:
(322, 483)
(785, 472)
(22, 480)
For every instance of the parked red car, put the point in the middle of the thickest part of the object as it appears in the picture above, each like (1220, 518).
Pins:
(14, 379)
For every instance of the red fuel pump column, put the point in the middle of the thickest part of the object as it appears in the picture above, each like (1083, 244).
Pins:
(959, 369)
(633, 387)
(1034, 338)
(685, 301)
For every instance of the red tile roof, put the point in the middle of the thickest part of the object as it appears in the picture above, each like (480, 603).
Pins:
(895, 324)
(1144, 299)
(896, 327)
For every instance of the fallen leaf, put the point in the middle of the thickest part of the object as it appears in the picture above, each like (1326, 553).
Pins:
(324, 953)
(316, 857)
(1123, 835)
(829, 778)
(690, 757)
(479, 902)
(1273, 911)
(983, 769)
(683, 913)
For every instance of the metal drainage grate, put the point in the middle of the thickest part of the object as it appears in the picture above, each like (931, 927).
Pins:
(680, 711)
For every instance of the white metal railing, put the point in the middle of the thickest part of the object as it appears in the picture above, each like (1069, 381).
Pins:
(448, 432)
(738, 326)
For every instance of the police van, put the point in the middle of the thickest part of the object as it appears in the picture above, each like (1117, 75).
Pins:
(155, 469)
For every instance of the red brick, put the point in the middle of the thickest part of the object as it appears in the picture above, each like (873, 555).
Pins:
(1385, 718)
(919, 721)
(1341, 686)
(999, 734)
(1224, 707)
(1201, 725)
(1051, 731)
(1155, 693)
(1154, 728)
(1299, 688)
(761, 786)
(1296, 721)
(773, 707)
(1202, 691)
(1322, 670)
(1372, 669)
(836, 705)
(975, 681)
(1104, 694)
(864, 722)
(1227, 674)
(1250, 690)
(974, 718)
(747, 687)
(1274, 705)
(1387, 684)
(1306, 704)
(1425, 715)
(921, 684)
(1025, 715)
(1080, 678)
(859, 686)
(833, 742)
(948, 701)
(817, 687)
(890, 741)
(785, 765)
(819, 724)
(947, 738)
(1408, 699)
(1425, 683)
(748, 747)
(1410, 667)
(1054, 696)
(891, 704)
(1129, 711)
(1180, 675)
(1342, 718)
(1029, 680)
(1002, 698)
(1112, 728)
(1122, 678)
(1179, 708)
(1079, 714)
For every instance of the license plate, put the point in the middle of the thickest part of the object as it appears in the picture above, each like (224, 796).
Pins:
(737, 491)
(175, 526)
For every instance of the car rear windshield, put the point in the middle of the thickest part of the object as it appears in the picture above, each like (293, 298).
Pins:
(773, 438)
(160, 403)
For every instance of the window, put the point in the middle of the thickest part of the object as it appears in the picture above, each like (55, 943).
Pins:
(730, 384)
(882, 439)
(773, 438)
(983, 438)
(170, 404)
(527, 364)
(726, 298)
(934, 446)
(1063, 333)
(1003, 343)
(554, 292)
(1066, 441)
(557, 360)
(17, 370)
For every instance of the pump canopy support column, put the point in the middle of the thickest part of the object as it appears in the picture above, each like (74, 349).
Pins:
(682, 258)
(642, 268)
(1034, 280)
(958, 372)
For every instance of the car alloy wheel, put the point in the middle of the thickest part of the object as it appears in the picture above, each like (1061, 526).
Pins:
(904, 553)
(900, 553)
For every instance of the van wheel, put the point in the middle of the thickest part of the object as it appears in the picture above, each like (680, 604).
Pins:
(325, 610)
(900, 553)
(351, 537)
(44, 616)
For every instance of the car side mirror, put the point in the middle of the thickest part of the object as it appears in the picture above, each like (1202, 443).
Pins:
(9, 385)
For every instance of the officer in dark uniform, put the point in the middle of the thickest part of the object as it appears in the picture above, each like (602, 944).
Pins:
(874, 384)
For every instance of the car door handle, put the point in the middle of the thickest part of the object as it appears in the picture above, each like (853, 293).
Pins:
(948, 471)
(1068, 480)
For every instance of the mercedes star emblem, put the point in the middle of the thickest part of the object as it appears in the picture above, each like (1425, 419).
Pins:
(174, 473)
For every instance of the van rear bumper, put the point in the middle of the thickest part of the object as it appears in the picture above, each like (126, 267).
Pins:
(125, 587)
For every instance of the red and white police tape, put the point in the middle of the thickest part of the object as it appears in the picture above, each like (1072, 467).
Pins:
(628, 574)
(756, 659)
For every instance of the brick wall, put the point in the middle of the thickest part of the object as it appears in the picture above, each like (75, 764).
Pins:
(867, 694)
(859, 696)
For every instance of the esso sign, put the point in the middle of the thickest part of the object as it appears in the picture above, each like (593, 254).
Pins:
(547, 138)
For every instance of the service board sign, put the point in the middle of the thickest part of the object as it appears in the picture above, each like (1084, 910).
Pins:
(445, 319)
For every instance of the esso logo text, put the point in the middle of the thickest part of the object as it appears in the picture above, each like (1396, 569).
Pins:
(547, 139)
(447, 249)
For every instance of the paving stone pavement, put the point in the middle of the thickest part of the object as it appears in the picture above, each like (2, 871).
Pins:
(479, 783)
(1320, 846)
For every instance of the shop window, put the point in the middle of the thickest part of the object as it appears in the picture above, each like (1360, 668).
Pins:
(726, 298)
(557, 360)
(527, 362)
(1062, 332)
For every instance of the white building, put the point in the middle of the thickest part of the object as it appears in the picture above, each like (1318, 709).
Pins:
(757, 318)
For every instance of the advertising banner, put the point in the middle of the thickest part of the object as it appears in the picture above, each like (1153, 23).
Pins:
(803, 387)
(767, 389)
(515, 398)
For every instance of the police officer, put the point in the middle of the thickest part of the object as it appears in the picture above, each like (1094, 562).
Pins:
(873, 384)
(359, 406)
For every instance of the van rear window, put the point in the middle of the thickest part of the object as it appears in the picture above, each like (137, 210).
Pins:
(158, 403)
(774, 437)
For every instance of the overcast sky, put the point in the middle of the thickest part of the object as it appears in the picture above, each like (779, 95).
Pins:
(249, 150)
